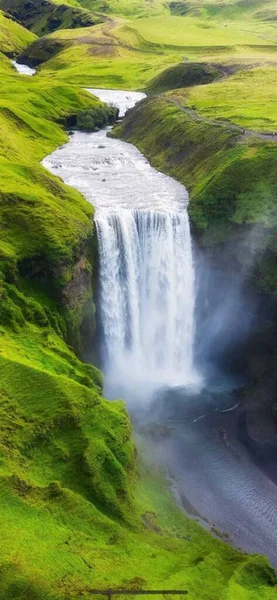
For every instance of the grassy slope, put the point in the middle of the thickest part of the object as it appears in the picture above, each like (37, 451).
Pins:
(255, 93)
(232, 181)
(29, 109)
(191, 31)
(228, 9)
(130, 8)
(74, 514)
(101, 56)
(13, 37)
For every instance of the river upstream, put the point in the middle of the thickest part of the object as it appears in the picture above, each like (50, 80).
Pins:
(146, 314)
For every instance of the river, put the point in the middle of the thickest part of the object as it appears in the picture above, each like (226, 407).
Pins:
(23, 69)
(146, 318)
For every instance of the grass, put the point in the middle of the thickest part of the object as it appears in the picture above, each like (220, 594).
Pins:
(182, 76)
(130, 8)
(232, 182)
(110, 71)
(77, 509)
(255, 105)
(47, 231)
(13, 37)
(29, 110)
(101, 55)
(228, 10)
(72, 508)
(189, 31)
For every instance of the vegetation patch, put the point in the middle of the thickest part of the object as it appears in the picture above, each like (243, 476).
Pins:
(100, 56)
(94, 119)
(47, 231)
(177, 31)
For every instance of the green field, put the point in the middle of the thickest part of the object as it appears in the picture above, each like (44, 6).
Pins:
(189, 31)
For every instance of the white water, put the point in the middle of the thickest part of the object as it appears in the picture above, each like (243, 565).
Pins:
(132, 199)
(147, 294)
(146, 275)
(23, 69)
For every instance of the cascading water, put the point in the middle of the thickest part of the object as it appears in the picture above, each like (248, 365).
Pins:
(146, 308)
(146, 275)
(147, 295)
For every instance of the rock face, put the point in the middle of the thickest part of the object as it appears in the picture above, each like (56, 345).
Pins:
(77, 300)
(258, 423)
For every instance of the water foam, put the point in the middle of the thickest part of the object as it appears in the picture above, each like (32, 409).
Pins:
(146, 274)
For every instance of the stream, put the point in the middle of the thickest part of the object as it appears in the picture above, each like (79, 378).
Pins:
(147, 330)
(23, 69)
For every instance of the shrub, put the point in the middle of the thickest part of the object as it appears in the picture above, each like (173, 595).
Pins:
(94, 118)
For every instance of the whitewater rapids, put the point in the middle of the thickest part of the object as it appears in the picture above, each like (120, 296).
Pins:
(146, 273)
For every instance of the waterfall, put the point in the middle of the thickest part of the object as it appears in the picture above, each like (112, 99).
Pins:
(146, 303)
(146, 276)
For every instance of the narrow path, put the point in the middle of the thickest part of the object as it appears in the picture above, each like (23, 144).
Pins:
(245, 133)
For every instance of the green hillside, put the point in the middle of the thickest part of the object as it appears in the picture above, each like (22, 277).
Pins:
(128, 8)
(227, 9)
(13, 37)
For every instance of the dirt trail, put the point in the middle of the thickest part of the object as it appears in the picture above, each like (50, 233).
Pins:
(245, 133)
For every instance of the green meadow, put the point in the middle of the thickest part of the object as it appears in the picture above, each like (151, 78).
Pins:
(192, 31)
(255, 93)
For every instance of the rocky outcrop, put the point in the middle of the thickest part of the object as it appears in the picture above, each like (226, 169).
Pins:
(44, 16)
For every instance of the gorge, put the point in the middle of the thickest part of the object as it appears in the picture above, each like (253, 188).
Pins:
(147, 322)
